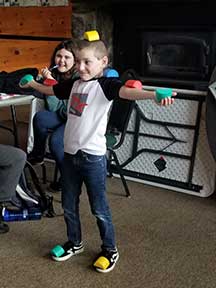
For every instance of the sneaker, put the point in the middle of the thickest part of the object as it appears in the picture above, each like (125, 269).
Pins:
(4, 228)
(107, 262)
(68, 251)
(35, 160)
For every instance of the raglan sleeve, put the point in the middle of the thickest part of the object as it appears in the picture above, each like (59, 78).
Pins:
(62, 90)
(111, 87)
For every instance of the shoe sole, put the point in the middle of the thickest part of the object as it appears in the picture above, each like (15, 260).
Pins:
(107, 270)
(36, 163)
(66, 257)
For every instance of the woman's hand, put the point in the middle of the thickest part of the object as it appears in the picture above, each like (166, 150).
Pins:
(26, 80)
(46, 73)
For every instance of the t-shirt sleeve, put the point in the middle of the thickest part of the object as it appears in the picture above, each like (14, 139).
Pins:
(62, 90)
(111, 87)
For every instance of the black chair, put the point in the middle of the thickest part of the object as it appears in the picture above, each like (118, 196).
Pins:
(115, 135)
(49, 157)
(117, 128)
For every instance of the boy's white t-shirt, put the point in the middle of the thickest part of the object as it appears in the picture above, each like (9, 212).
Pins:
(88, 107)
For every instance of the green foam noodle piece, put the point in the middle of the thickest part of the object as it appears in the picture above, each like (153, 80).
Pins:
(27, 78)
(162, 93)
(57, 251)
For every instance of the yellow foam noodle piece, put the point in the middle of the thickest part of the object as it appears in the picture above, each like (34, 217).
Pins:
(102, 262)
(91, 35)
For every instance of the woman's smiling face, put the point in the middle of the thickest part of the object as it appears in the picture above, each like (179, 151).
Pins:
(64, 59)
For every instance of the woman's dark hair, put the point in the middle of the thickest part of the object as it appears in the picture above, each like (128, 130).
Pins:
(68, 45)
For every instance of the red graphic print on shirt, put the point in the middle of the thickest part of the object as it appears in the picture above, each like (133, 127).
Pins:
(78, 103)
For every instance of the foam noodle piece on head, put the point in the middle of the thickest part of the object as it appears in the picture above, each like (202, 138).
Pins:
(91, 35)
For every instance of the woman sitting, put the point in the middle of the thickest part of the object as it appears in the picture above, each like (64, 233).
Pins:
(51, 122)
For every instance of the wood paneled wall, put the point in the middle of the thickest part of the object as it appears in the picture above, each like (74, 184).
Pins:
(28, 35)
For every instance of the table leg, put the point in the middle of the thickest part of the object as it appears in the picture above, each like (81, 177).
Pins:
(14, 123)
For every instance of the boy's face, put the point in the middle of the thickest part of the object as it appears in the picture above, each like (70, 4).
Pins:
(88, 65)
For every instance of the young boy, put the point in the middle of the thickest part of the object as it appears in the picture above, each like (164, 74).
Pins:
(90, 98)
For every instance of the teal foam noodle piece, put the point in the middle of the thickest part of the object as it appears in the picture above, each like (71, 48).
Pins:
(162, 93)
(57, 251)
(27, 78)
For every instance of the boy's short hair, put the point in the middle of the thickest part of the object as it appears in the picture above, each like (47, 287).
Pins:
(98, 46)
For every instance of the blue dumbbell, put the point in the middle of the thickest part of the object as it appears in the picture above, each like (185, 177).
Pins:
(109, 72)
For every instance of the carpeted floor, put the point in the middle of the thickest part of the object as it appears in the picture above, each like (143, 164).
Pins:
(165, 239)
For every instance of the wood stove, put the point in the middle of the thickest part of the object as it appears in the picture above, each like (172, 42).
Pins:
(168, 44)
(165, 40)
(174, 56)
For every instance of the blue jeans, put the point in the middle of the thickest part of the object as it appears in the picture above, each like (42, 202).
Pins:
(49, 123)
(90, 170)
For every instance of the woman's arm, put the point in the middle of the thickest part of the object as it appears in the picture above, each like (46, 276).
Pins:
(47, 90)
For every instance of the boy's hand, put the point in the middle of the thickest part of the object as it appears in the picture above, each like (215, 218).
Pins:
(168, 100)
(163, 96)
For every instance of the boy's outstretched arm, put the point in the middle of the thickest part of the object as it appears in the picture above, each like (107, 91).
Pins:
(47, 90)
(139, 94)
